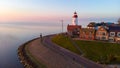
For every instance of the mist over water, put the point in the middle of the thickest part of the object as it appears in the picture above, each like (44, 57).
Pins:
(12, 36)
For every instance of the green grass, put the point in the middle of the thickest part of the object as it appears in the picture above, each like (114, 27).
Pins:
(100, 51)
(97, 51)
(64, 42)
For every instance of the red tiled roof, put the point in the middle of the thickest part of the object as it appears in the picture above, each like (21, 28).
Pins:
(87, 30)
(114, 28)
(72, 27)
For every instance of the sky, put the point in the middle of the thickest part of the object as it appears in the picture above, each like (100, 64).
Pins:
(54, 10)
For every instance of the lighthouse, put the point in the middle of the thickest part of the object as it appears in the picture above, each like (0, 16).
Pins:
(75, 19)
(73, 30)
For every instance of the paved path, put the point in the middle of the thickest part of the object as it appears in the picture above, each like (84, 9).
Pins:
(50, 58)
(81, 60)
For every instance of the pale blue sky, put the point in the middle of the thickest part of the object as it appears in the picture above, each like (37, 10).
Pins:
(41, 10)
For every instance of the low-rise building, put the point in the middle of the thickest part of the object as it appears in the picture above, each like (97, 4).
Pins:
(111, 33)
(91, 25)
(73, 30)
(102, 33)
(87, 34)
(114, 33)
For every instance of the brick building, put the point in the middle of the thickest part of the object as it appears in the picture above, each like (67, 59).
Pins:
(87, 34)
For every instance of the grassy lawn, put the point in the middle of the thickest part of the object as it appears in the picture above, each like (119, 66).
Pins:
(64, 42)
(100, 52)
(97, 51)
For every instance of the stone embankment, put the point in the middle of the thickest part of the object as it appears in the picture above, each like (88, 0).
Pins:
(24, 58)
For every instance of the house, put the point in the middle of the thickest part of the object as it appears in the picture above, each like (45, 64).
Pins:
(119, 21)
(73, 30)
(102, 33)
(114, 33)
(87, 34)
(111, 33)
(91, 25)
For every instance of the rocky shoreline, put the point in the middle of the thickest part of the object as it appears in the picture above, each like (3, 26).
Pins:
(24, 58)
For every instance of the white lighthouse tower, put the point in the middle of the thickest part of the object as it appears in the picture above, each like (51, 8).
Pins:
(74, 29)
(75, 19)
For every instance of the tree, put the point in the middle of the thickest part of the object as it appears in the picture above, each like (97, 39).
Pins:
(91, 24)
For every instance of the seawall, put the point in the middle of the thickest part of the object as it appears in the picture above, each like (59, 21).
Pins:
(24, 58)
(67, 56)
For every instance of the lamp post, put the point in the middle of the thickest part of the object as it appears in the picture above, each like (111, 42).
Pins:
(62, 25)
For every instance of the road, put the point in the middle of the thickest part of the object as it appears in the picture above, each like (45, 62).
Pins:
(81, 60)
(49, 57)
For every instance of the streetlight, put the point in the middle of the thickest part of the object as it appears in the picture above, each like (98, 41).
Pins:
(62, 25)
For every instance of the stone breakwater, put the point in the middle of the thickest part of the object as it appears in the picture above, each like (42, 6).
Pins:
(24, 58)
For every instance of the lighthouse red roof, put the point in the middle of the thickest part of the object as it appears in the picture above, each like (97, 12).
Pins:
(72, 27)
(75, 15)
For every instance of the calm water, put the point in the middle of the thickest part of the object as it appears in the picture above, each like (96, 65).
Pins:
(12, 36)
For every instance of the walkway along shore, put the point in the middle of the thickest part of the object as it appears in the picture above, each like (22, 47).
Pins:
(52, 56)
(25, 59)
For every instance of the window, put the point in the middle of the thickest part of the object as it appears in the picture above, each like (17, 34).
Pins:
(118, 34)
(103, 38)
(83, 32)
(98, 33)
(112, 34)
(103, 33)
(90, 33)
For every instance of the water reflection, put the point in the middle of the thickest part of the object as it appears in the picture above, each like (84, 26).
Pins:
(12, 36)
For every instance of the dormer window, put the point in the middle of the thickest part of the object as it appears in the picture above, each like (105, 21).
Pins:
(118, 34)
(112, 34)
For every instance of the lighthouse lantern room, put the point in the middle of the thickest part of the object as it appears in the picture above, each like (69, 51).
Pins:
(75, 19)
